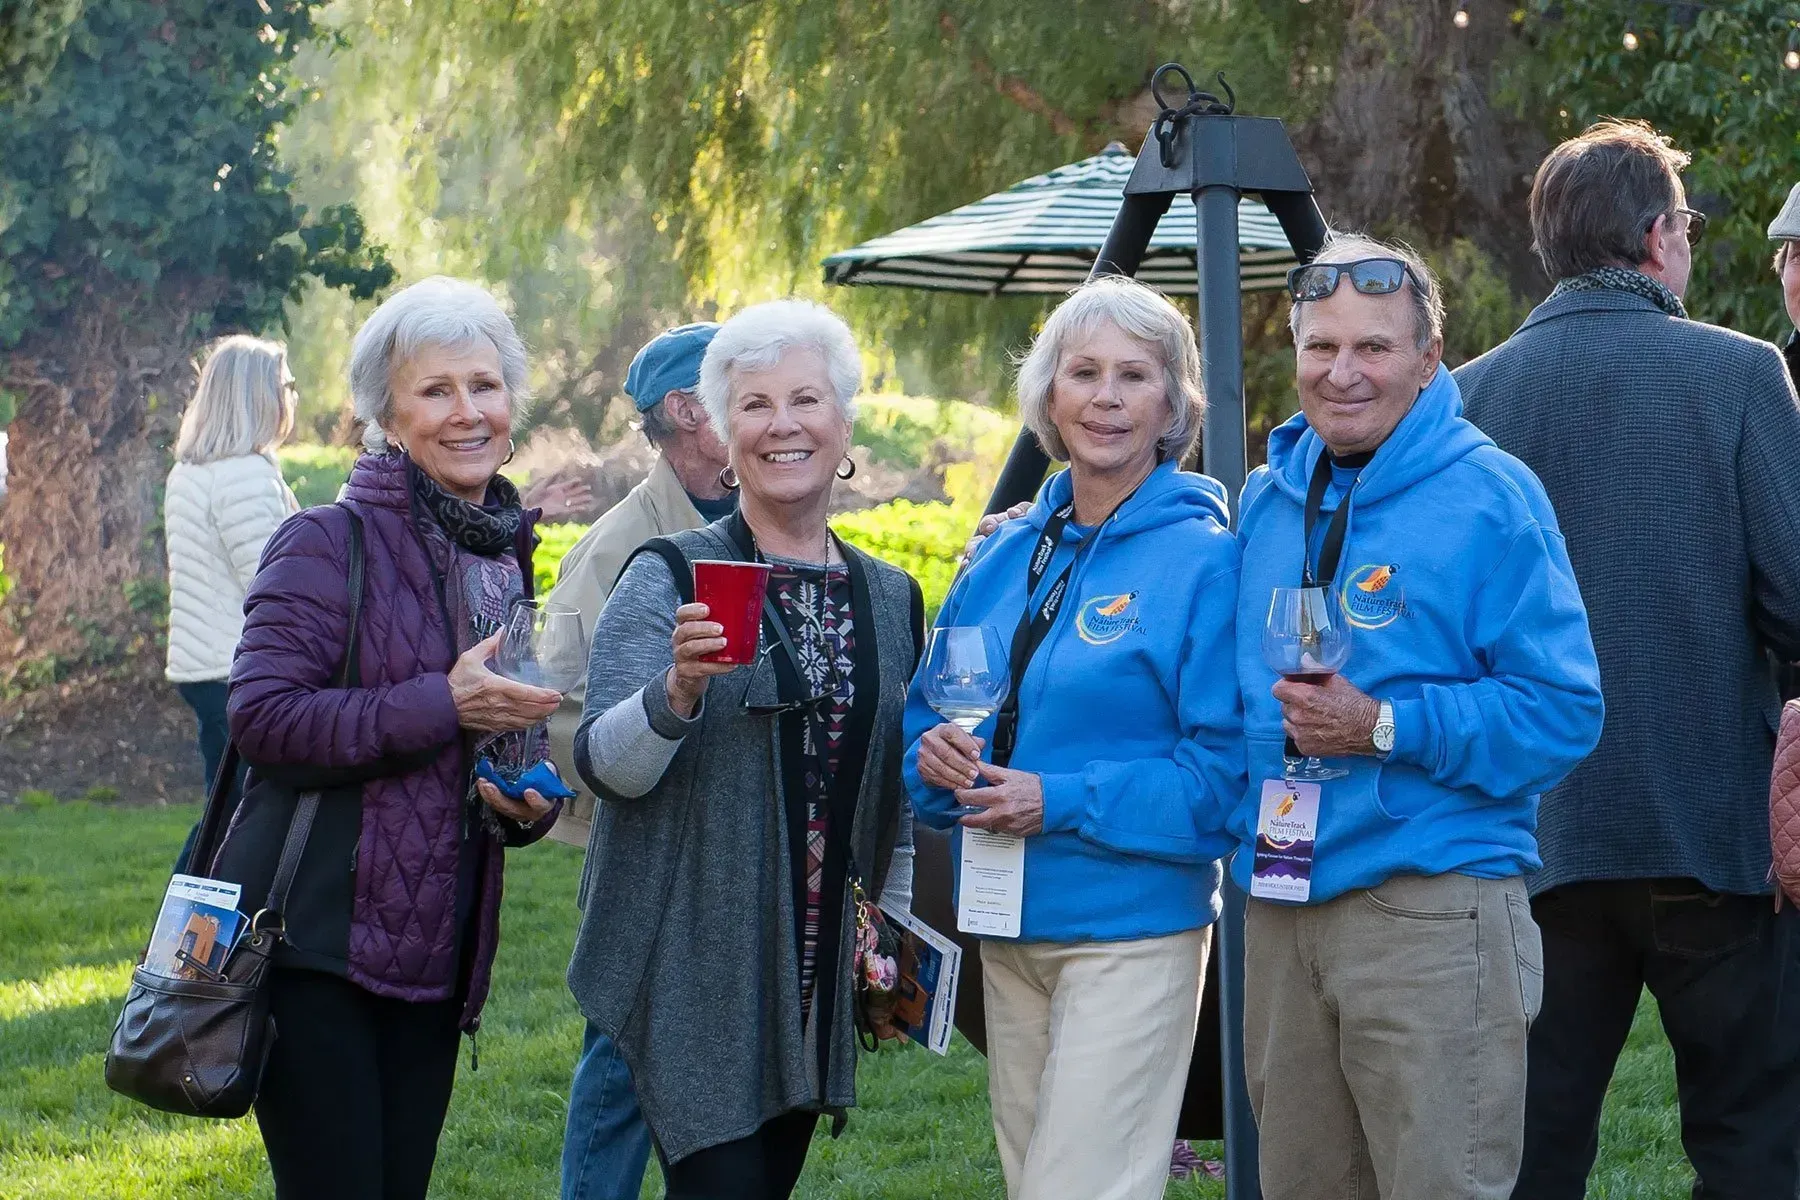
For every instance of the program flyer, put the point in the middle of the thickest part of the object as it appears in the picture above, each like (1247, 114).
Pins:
(930, 964)
(196, 928)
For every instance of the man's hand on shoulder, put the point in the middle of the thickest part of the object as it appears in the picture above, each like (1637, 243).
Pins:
(985, 527)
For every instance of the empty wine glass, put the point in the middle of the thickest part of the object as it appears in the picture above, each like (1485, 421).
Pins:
(1306, 640)
(965, 678)
(966, 674)
(543, 645)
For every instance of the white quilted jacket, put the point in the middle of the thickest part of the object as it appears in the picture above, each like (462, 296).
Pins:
(216, 517)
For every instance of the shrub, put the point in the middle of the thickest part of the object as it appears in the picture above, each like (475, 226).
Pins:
(921, 539)
(558, 540)
(316, 473)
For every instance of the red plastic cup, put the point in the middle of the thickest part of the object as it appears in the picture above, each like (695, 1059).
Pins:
(733, 594)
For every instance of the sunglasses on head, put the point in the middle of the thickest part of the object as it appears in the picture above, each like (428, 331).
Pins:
(1370, 276)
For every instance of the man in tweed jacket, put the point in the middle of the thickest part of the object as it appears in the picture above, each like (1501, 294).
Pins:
(1671, 451)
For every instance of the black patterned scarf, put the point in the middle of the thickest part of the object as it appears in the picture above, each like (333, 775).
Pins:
(485, 529)
(1623, 279)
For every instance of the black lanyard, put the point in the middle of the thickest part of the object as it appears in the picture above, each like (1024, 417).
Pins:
(1035, 626)
(1333, 547)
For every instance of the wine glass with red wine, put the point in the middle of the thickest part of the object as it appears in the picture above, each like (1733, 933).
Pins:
(1306, 640)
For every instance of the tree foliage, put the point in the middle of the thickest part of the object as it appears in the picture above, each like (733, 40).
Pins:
(1713, 79)
(31, 36)
(150, 151)
(142, 209)
(739, 144)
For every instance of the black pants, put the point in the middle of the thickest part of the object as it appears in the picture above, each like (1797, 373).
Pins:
(207, 699)
(1723, 971)
(356, 1089)
(764, 1166)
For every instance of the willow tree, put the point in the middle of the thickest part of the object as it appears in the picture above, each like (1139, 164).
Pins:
(744, 142)
(141, 211)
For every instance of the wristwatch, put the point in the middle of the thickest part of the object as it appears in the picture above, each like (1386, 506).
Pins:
(1383, 737)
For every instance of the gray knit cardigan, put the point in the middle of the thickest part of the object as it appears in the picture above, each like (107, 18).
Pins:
(686, 954)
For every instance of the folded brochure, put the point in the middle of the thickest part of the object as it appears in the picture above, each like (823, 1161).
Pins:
(930, 965)
(196, 928)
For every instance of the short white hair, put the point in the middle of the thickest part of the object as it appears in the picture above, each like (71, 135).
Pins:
(438, 311)
(1146, 315)
(757, 337)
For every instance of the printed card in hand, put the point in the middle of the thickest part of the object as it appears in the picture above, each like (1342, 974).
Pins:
(196, 929)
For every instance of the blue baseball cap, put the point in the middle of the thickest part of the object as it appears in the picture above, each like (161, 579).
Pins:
(669, 362)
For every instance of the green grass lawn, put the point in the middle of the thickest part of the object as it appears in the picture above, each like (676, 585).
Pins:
(79, 885)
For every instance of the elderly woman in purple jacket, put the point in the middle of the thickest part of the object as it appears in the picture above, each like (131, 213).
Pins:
(392, 921)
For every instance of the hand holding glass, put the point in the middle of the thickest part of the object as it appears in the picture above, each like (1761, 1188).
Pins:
(965, 677)
(1306, 640)
(543, 645)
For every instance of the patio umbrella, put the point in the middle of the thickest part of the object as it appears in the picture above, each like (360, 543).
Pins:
(1041, 236)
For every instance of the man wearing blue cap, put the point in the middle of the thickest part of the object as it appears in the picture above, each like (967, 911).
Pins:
(607, 1144)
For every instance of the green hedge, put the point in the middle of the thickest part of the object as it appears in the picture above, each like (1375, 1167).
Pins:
(316, 472)
(921, 539)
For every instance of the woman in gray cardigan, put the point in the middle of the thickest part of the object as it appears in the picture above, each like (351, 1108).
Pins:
(741, 805)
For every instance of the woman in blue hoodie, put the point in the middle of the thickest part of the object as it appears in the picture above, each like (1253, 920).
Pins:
(1109, 773)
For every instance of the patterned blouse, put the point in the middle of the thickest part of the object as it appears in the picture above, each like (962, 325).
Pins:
(819, 620)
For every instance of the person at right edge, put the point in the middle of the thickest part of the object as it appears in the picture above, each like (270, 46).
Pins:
(1392, 973)
(1668, 448)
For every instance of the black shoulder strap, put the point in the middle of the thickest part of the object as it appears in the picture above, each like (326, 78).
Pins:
(917, 602)
(349, 675)
(677, 562)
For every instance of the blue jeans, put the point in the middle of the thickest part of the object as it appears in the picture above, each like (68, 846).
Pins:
(607, 1144)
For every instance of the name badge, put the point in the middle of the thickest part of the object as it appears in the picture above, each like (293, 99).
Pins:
(991, 898)
(1286, 829)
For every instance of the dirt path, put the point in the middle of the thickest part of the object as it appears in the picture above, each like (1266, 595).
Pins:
(133, 739)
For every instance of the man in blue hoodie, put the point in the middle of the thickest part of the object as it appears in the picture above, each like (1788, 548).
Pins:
(1392, 968)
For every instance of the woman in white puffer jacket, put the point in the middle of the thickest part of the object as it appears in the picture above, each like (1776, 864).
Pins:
(224, 498)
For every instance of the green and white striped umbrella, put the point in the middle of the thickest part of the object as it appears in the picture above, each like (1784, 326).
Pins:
(1042, 236)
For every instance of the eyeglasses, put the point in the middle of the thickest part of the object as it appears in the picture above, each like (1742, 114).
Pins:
(834, 680)
(1370, 276)
(1696, 224)
(833, 683)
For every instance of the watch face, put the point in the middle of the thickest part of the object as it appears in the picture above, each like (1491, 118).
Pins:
(1384, 738)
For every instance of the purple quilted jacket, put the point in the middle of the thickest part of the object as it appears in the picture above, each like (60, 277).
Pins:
(284, 711)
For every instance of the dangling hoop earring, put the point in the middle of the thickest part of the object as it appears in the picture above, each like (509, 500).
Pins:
(847, 468)
(512, 448)
(730, 485)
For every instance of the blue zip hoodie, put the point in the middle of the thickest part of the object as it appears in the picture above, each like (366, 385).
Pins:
(1464, 614)
(1128, 710)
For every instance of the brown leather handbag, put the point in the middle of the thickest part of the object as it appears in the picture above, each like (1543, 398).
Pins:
(198, 1046)
(1784, 806)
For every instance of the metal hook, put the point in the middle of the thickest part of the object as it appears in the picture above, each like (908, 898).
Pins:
(1156, 78)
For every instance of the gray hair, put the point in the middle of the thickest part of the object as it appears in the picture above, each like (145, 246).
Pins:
(654, 424)
(757, 337)
(1146, 315)
(438, 311)
(242, 404)
(1597, 195)
(1428, 305)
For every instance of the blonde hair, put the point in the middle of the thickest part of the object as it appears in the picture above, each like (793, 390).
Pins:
(241, 406)
(1143, 313)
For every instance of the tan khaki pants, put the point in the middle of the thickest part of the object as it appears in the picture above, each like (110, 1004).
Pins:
(1088, 1047)
(1384, 1039)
